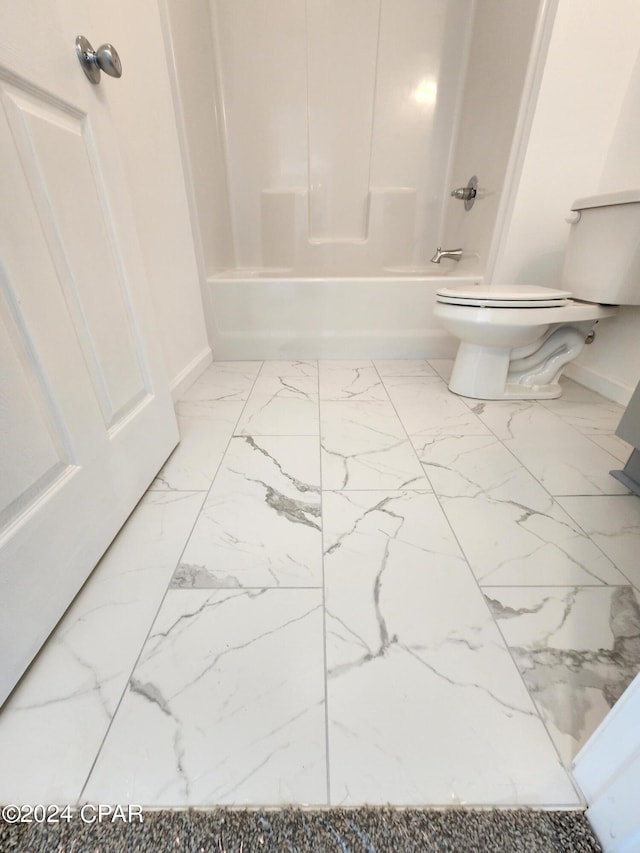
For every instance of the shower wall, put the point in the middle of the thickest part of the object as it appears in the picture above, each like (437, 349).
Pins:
(338, 119)
(502, 41)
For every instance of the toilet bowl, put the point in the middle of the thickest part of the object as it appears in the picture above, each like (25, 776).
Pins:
(514, 342)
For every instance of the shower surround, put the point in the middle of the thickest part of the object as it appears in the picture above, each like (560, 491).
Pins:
(338, 122)
(322, 156)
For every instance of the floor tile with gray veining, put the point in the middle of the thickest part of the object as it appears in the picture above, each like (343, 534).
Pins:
(52, 726)
(225, 705)
(364, 446)
(577, 649)
(375, 645)
(224, 380)
(565, 461)
(281, 405)
(510, 529)
(289, 368)
(426, 407)
(205, 430)
(260, 525)
(350, 380)
(411, 647)
(613, 524)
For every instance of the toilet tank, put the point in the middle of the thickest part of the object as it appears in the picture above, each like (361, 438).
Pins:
(602, 262)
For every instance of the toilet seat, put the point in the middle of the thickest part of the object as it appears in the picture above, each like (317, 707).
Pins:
(518, 296)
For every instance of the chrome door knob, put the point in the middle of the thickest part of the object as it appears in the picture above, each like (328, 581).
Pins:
(105, 58)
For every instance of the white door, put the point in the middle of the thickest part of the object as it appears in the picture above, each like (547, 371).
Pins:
(607, 769)
(86, 418)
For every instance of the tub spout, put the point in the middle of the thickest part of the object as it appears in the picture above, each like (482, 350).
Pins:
(453, 254)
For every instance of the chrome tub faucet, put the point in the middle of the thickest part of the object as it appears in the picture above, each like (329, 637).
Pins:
(453, 254)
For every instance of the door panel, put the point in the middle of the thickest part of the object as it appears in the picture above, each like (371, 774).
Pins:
(54, 150)
(86, 418)
(27, 423)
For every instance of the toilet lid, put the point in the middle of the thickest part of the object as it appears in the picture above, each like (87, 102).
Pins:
(516, 296)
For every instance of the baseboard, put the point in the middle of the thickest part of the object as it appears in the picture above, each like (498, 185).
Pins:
(180, 383)
(601, 383)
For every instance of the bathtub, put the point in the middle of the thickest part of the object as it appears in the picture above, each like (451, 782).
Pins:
(252, 314)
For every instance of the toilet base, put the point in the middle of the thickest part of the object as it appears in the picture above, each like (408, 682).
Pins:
(518, 392)
(529, 372)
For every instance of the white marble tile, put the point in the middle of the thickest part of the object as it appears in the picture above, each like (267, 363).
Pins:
(577, 649)
(575, 392)
(404, 367)
(205, 430)
(289, 368)
(53, 724)
(225, 706)
(507, 419)
(471, 465)
(575, 468)
(509, 542)
(225, 380)
(426, 407)
(260, 525)
(343, 380)
(443, 367)
(613, 523)
(425, 704)
(364, 446)
(587, 417)
(344, 363)
(510, 529)
(281, 405)
(614, 445)
(564, 460)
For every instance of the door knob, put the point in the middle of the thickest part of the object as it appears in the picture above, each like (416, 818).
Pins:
(105, 58)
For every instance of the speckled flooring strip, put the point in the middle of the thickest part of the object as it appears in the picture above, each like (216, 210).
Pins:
(360, 830)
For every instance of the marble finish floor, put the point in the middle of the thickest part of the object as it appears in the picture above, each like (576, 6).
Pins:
(347, 585)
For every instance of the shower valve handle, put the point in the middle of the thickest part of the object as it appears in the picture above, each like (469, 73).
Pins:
(464, 193)
(467, 194)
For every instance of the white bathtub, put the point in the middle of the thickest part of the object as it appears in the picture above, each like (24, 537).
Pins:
(254, 316)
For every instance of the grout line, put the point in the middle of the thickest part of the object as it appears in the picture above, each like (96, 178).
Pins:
(554, 586)
(168, 587)
(404, 429)
(324, 604)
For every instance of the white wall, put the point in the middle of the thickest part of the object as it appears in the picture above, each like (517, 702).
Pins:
(617, 354)
(583, 139)
(501, 42)
(142, 109)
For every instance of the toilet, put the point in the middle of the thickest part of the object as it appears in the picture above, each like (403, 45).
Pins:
(516, 341)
